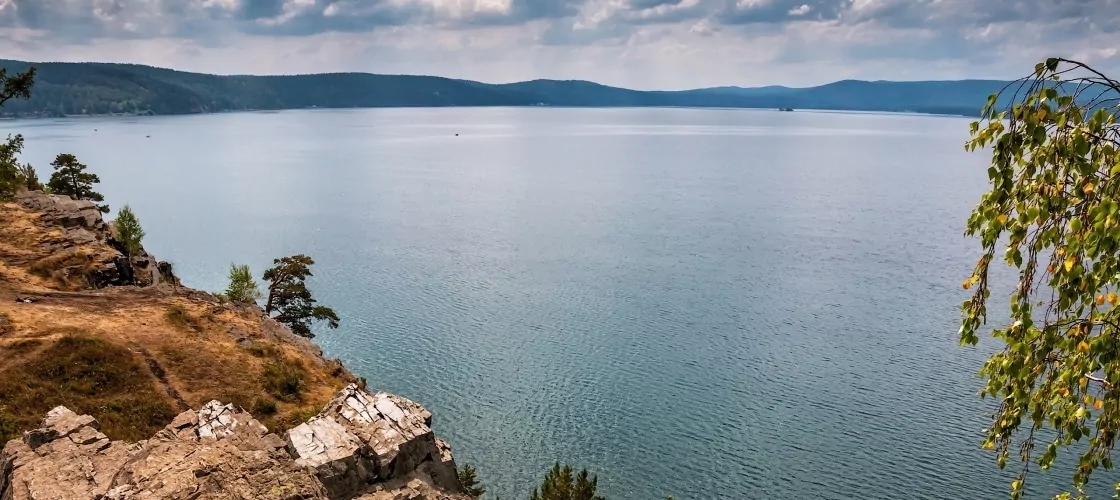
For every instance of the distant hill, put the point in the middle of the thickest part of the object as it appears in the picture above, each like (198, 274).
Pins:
(63, 89)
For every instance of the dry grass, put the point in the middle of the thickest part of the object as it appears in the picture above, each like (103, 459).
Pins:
(67, 269)
(178, 316)
(6, 323)
(285, 379)
(95, 351)
(88, 375)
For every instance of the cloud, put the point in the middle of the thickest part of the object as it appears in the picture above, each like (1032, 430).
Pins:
(625, 42)
(777, 11)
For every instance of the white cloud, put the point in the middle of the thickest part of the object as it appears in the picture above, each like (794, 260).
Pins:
(800, 10)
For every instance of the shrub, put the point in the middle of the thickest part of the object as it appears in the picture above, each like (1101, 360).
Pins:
(178, 316)
(263, 406)
(284, 379)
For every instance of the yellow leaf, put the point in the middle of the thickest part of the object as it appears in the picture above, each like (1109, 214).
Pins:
(1061, 251)
(1112, 298)
(1002, 218)
(1070, 261)
(1100, 300)
(1088, 189)
(1098, 404)
(1083, 346)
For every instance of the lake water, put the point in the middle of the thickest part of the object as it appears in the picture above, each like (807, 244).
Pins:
(708, 303)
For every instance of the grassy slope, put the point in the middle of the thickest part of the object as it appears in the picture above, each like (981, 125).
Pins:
(135, 357)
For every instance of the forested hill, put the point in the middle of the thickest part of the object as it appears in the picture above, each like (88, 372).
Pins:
(95, 88)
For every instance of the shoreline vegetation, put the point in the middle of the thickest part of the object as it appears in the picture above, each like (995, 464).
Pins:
(103, 89)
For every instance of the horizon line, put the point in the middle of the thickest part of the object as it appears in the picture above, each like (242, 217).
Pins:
(330, 73)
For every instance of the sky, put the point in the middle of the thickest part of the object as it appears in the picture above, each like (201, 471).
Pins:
(644, 44)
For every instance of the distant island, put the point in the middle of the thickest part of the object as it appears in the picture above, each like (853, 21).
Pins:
(69, 89)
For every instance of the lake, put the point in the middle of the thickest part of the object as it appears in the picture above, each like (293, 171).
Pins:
(713, 304)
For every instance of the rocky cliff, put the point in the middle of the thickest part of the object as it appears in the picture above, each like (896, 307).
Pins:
(361, 446)
(154, 390)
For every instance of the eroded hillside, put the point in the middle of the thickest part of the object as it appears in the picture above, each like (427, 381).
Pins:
(116, 382)
(81, 326)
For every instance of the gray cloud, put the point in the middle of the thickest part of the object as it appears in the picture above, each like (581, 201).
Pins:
(777, 11)
(981, 36)
(258, 9)
(109, 18)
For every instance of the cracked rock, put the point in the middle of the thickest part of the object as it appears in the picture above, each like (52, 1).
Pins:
(372, 447)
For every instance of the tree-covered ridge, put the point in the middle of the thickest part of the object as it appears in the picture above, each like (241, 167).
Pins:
(98, 88)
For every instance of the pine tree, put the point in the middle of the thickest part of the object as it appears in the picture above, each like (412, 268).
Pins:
(129, 231)
(242, 288)
(30, 177)
(14, 176)
(17, 86)
(469, 481)
(289, 297)
(70, 178)
(559, 484)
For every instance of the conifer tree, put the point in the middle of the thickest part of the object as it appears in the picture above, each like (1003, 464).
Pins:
(242, 287)
(469, 481)
(70, 178)
(559, 484)
(129, 231)
(290, 299)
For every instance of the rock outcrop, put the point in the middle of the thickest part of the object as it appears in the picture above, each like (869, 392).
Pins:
(360, 439)
(361, 446)
(80, 250)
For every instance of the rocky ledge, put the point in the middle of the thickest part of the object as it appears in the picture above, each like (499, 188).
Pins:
(361, 446)
(80, 250)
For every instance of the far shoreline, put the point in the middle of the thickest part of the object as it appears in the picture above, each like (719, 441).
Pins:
(320, 108)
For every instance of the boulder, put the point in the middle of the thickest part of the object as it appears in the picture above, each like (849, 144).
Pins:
(62, 209)
(68, 457)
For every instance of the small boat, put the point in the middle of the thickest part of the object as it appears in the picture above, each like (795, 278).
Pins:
(785, 109)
